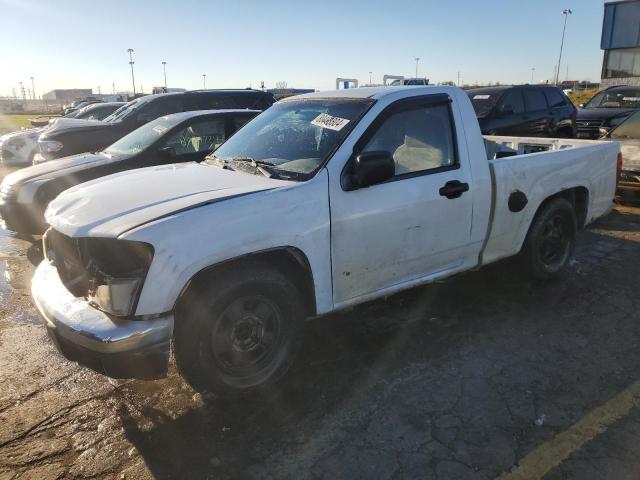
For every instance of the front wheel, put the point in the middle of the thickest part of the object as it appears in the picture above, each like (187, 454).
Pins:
(551, 240)
(240, 332)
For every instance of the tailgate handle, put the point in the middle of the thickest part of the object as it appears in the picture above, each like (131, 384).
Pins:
(454, 189)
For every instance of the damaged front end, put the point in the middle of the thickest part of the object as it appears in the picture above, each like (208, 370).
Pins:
(87, 289)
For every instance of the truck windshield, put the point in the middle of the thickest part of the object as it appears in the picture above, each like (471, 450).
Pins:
(293, 139)
(619, 98)
(141, 138)
(483, 102)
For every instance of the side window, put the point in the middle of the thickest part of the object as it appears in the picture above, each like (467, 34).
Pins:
(204, 136)
(241, 121)
(514, 99)
(419, 139)
(554, 98)
(216, 101)
(535, 100)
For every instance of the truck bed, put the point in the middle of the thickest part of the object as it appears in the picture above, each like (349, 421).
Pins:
(535, 167)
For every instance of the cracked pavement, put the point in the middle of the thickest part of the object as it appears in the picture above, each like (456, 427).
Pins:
(459, 379)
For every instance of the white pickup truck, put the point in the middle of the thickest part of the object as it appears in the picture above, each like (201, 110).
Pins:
(323, 201)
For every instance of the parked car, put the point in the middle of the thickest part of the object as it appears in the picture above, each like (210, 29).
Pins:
(324, 201)
(409, 81)
(19, 148)
(175, 138)
(68, 137)
(627, 134)
(78, 105)
(524, 110)
(607, 109)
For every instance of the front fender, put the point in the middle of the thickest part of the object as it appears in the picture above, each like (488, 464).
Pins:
(190, 241)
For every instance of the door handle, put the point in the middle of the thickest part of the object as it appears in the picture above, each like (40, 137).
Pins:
(454, 189)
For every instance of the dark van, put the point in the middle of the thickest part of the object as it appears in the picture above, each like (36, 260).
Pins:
(524, 111)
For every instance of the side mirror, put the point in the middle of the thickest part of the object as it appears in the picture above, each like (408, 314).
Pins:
(370, 168)
(506, 110)
(167, 152)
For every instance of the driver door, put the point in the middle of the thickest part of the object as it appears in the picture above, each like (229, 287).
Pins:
(405, 228)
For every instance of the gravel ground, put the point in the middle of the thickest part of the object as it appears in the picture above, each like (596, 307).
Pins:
(460, 379)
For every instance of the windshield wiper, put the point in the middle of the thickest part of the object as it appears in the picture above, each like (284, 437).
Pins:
(252, 161)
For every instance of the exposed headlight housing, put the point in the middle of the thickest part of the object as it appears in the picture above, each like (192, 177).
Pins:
(108, 272)
(116, 270)
(49, 146)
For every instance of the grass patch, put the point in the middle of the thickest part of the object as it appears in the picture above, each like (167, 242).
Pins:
(582, 96)
(13, 122)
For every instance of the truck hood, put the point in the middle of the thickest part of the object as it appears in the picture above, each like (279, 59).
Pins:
(603, 114)
(65, 124)
(109, 206)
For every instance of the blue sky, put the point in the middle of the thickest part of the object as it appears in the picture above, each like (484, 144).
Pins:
(69, 43)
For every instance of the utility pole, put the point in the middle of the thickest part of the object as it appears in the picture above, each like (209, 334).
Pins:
(204, 80)
(164, 69)
(370, 77)
(24, 98)
(417, 60)
(458, 78)
(533, 70)
(566, 12)
(33, 89)
(133, 79)
(113, 87)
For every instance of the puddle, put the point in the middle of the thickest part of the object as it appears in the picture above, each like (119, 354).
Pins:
(16, 271)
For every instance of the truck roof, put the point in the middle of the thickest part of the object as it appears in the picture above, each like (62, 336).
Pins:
(372, 92)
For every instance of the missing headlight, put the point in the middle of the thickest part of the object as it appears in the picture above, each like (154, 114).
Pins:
(116, 270)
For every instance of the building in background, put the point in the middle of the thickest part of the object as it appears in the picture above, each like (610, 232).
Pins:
(621, 43)
(67, 95)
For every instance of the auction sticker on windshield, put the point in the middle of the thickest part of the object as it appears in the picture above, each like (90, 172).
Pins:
(481, 97)
(325, 120)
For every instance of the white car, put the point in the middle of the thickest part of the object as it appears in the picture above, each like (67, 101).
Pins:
(20, 148)
(324, 201)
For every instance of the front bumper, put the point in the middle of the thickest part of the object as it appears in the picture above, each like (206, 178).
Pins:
(114, 347)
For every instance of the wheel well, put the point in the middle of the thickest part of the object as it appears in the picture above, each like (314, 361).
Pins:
(289, 261)
(578, 197)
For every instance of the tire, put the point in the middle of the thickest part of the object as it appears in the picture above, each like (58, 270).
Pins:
(551, 240)
(239, 333)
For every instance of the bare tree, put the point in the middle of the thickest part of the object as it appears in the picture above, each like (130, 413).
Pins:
(281, 85)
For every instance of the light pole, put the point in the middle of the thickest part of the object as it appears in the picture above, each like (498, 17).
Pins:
(133, 79)
(164, 69)
(33, 89)
(204, 80)
(566, 12)
(417, 60)
(533, 70)
(370, 77)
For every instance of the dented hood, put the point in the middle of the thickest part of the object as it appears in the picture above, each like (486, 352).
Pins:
(109, 206)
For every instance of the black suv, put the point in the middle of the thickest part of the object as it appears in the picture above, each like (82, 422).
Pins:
(69, 136)
(606, 110)
(524, 110)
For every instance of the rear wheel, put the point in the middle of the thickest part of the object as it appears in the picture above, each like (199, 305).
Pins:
(239, 333)
(551, 240)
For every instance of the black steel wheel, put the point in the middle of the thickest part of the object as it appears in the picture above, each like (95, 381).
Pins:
(238, 332)
(551, 239)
